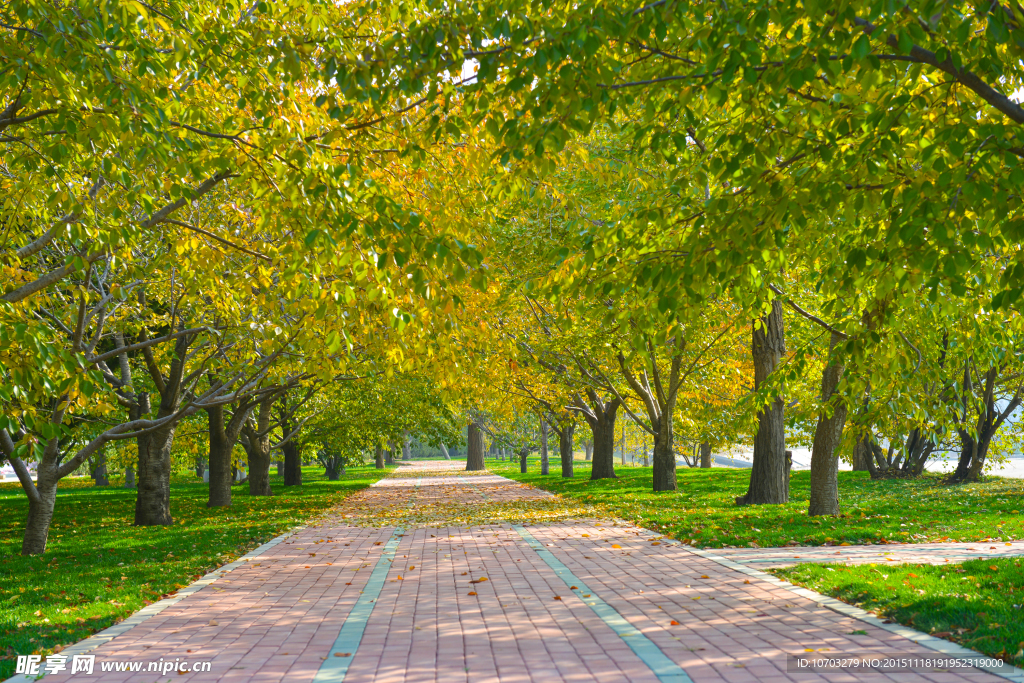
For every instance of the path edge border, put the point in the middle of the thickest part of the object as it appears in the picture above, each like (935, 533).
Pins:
(151, 610)
(920, 637)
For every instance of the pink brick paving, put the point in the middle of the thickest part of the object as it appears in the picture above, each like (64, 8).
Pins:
(276, 618)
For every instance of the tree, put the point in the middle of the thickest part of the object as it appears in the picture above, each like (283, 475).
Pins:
(769, 476)
(475, 448)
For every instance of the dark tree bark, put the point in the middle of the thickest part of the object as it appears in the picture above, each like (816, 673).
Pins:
(292, 463)
(153, 499)
(827, 436)
(334, 464)
(153, 495)
(862, 455)
(220, 458)
(129, 477)
(600, 417)
(42, 495)
(705, 455)
(444, 451)
(406, 446)
(917, 449)
(475, 449)
(99, 470)
(223, 437)
(258, 438)
(975, 439)
(389, 454)
(544, 465)
(769, 483)
(200, 467)
(565, 432)
(40, 514)
(378, 457)
(588, 450)
(523, 452)
(291, 450)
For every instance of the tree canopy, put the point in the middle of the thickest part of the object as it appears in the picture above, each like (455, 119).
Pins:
(312, 226)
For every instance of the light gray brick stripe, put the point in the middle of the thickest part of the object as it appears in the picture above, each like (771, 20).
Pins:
(643, 647)
(335, 666)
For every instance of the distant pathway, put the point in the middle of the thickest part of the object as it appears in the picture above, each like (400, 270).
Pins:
(382, 590)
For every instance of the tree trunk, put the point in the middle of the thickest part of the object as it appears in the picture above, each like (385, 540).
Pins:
(153, 499)
(565, 452)
(544, 466)
(603, 430)
(292, 464)
(40, 514)
(622, 446)
(664, 470)
(523, 452)
(99, 472)
(153, 495)
(588, 450)
(406, 448)
(769, 483)
(259, 465)
(972, 458)
(200, 467)
(334, 466)
(862, 456)
(378, 457)
(444, 451)
(389, 454)
(129, 477)
(475, 449)
(827, 436)
(705, 455)
(220, 459)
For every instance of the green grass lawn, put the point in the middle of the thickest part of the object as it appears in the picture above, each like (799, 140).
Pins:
(979, 604)
(703, 511)
(98, 568)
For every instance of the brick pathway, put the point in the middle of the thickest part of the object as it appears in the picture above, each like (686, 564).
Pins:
(493, 602)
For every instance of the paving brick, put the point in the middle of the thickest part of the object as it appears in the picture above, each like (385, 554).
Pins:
(275, 620)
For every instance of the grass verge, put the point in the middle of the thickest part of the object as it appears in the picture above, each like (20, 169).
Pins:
(703, 510)
(98, 568)
(979, 604)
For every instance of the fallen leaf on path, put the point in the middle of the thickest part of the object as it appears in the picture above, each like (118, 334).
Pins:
(673, 623)
(472, 592)
(558, 597)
